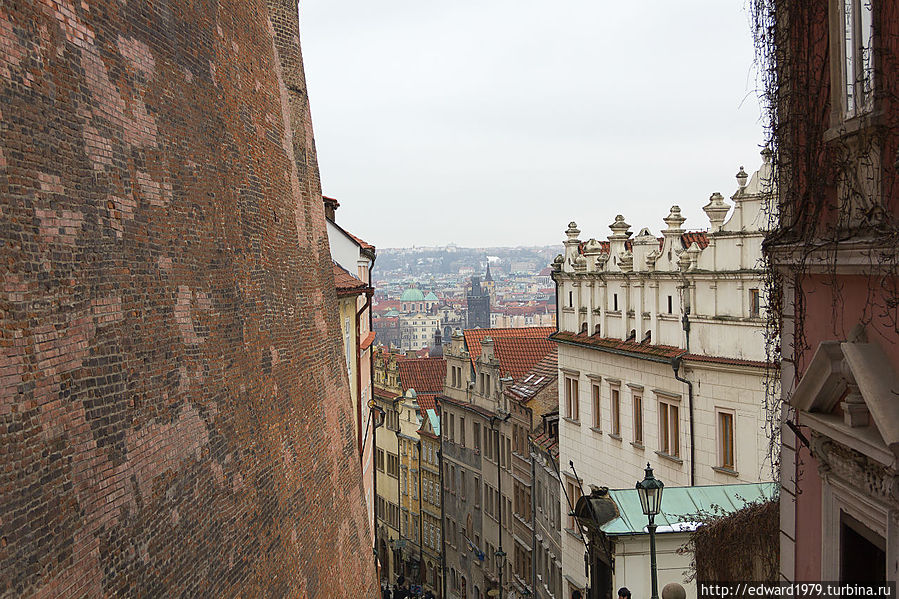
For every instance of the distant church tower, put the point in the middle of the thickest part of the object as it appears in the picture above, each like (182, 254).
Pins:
(478, 300)
(488, 285)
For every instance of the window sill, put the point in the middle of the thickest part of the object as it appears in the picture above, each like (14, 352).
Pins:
(852, 125)
(615, 436)
(573, 533)
(725, 470)
(571, 420)
(596, 430)
(670, 457)
(639, 446)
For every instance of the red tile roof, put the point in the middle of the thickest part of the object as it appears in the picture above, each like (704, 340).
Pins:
(611, 343)
(517, 349)
(663, 352)
(425, 375)
(346, 283)
(691, 237)
(545, 372)
(365, 245)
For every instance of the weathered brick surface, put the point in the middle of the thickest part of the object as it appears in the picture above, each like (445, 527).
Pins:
(174, 420)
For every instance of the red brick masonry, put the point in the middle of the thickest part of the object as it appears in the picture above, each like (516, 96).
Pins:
(174, 420)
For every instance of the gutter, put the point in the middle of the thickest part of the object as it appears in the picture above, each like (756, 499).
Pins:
(368, 294)
(675, 365)
(620, 352)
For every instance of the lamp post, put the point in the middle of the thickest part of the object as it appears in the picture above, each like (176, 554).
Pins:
(501, 565)
(650, 491)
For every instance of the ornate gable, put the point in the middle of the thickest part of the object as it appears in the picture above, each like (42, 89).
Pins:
(850, 393)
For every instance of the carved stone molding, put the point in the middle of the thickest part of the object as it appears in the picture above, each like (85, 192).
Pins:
(858, 470)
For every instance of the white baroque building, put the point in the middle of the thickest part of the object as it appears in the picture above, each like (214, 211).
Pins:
(630, 311)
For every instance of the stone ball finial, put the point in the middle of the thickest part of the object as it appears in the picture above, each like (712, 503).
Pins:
(572, 231)
(674, 590)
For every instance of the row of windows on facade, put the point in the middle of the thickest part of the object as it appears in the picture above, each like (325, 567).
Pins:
(485, 382)
(520, 565)
(486, 438)
(755, 304)
(668, 418)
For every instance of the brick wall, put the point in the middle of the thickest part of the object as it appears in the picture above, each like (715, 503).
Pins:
(174, 420)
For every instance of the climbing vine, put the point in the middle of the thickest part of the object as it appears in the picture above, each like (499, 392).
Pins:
(835, 181)
(741, 545)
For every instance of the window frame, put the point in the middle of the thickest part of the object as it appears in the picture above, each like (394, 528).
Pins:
(722, 414)
(615, 409)
(572, 400)
(669, 429)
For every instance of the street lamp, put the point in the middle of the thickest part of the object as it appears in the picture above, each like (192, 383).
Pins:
(650, 491)
(500, 564)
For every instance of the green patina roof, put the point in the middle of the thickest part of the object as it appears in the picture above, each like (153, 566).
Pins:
(430, 297)
(412, 295)
(679, 503)
(435, 422)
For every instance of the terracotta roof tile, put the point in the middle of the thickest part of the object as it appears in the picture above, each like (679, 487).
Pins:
(346, 283)
(665, 352)
(517, 349)
(545, 372)
(656, 351)
(364, 244)
(425, 375)
(698, 237)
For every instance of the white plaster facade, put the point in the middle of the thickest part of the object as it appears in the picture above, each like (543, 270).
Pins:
(622, 309)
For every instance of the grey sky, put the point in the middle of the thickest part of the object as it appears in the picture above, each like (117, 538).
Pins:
(496, 122)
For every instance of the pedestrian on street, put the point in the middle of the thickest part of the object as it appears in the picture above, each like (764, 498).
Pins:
(624, 593)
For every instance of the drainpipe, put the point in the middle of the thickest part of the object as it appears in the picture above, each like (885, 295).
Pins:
(533, 516)
(442, 511)
(365, 306)
(675, 365)
(420, 519)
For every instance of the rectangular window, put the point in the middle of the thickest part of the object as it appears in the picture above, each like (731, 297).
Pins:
(615, 302)
(571, 398)
(477, 491)
(462, 431)
(638, 419)
(380, 460)
(393, 466)
(670, 304)
(477, 436)
(574, 493)
(857, 52)
(615, 409)
(452, 428)
(669, 429)
(462, 485)
(754, 303)
(726, 436)
(597, 412)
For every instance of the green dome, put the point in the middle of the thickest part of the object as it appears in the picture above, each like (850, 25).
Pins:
(412, 295)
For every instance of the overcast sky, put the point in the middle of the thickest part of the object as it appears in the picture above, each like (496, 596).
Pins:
(496, 122)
